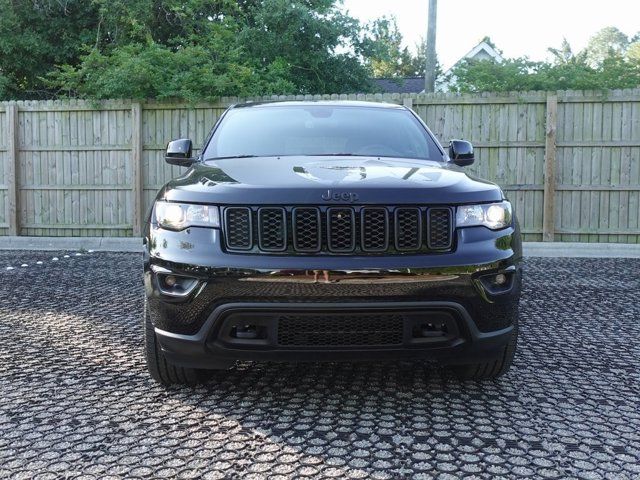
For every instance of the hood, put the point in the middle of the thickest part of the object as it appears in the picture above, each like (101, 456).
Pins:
(296, 180)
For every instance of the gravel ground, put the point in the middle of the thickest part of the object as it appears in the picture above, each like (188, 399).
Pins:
(76, 401)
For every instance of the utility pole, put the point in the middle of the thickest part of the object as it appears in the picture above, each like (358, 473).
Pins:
(430, 73)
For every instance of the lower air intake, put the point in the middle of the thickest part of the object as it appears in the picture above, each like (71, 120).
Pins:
(340, 330)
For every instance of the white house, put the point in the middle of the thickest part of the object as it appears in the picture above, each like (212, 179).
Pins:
(482, 51)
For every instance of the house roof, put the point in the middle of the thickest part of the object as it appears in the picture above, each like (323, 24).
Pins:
(400, 84)
(487, 48)
(481, 49)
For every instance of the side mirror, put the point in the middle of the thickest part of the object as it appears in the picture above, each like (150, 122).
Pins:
(461, 153)
(179, 153)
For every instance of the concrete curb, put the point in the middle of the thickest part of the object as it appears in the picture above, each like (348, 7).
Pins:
(98, 244)
(584, 250)
(115, 244)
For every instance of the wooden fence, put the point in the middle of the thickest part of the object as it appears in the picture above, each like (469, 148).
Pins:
(569, 161)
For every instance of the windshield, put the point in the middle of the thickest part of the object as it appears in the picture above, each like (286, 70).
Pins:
(321, 130)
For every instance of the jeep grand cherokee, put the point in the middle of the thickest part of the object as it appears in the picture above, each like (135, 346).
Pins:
(325, 231)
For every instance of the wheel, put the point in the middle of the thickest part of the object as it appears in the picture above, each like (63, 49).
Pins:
(159, 368)
(493, 368)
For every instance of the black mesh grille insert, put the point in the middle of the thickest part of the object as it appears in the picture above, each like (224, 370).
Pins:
(272, 229)
(408, 229)
(375, 229)
(306, 229)
(238, 228)
(341, 229)
(361, 230)
(340, 330)
(439, 235)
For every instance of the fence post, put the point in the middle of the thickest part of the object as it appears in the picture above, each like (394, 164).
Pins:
(13, 174)
(137, 188)
(548, 215)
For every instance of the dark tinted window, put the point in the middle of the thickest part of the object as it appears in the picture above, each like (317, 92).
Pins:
(321, 130)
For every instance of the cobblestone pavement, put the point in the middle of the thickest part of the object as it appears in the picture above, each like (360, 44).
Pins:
(76, 401)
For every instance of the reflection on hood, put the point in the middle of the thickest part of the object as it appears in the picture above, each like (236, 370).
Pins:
(296, 180)
(330, 171)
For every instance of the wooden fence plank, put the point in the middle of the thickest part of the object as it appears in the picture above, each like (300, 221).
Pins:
(13, 173)
(548, 217)
(137, 191)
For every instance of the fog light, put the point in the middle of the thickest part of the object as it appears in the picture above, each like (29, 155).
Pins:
(500, 279)
(170, 281)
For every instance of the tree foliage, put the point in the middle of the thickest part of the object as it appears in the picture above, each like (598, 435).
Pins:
(203, 49)
(386, 55)
(193, 49)
(607, 43)
(313, 40)
(35, 36)
(609, 61)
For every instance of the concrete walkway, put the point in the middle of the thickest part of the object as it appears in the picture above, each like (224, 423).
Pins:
(113, 244)
(98, 244)
(584, 250)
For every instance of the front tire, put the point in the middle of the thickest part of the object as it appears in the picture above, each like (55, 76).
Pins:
(493, 368)
(159, 368)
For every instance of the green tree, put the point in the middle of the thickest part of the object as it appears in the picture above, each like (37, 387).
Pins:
(164, 49)
(202, 49)
(313, 40)
(565, 55)
(384, 51)
(35, 36)
(608, 42)
(567, 70)
(633, 52)
(195, 49)
(415, 65)
(523, 74)
(385, 54)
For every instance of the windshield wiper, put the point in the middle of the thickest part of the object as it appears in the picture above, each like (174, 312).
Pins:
(230, 156)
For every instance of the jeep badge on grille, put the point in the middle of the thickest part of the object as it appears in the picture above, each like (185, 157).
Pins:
(344, 196)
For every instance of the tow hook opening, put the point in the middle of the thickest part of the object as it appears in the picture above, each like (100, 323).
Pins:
(249, 332)
(430, 330)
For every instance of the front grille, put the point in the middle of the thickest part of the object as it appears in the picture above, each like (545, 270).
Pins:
(375, 230)
(306, 229)
(439, 229)
(238, 228)
(408, 229)
(340, 330)
(338, 230)
(272, 229)
(341, 230)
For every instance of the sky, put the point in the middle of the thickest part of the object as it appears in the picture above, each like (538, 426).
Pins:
(517, 27)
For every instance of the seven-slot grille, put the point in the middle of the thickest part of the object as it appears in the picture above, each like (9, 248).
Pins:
(338, 230)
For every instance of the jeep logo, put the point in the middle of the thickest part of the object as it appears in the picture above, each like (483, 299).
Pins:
(337, 196)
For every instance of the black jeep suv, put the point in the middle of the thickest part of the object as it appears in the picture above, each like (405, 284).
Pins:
(314, 231)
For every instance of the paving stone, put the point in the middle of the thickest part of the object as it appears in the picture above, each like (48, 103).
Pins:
(77, 402)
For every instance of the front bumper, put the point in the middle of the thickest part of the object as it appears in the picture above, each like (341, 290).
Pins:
(224, 292)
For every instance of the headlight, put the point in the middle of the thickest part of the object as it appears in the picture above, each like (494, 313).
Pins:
(494, 215)
(178, 216)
